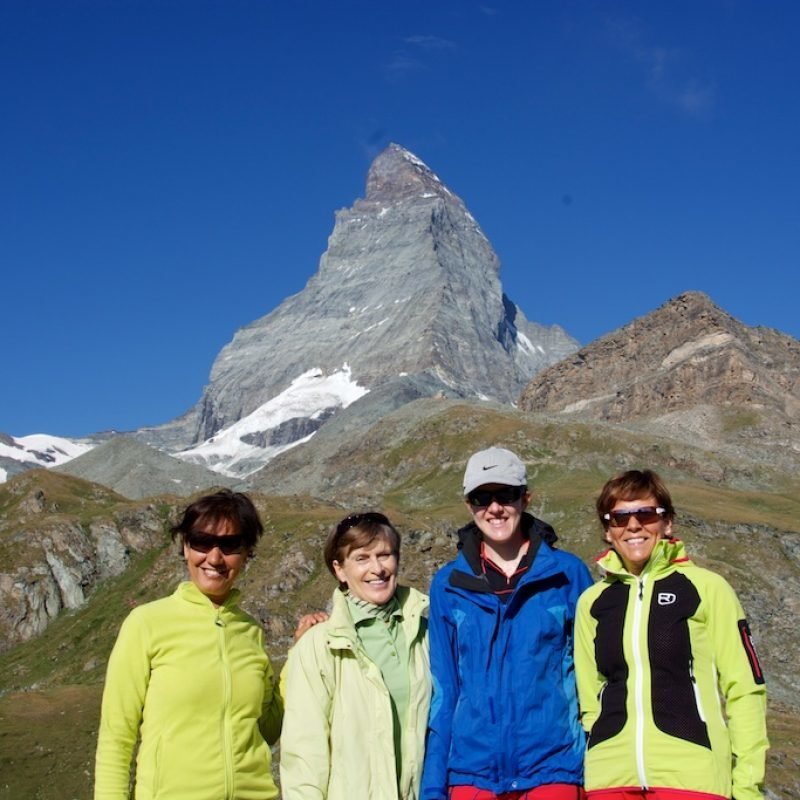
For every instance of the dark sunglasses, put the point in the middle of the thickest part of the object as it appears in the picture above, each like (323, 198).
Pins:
(646, 516)
(206, 542)
(506, 495)
(354, 520)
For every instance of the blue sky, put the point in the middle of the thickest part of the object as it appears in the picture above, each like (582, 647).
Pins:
(170, 169)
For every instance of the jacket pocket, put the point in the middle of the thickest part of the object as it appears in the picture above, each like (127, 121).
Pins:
(613, 714)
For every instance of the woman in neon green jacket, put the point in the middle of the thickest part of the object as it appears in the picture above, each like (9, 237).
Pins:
(357, 686)
(671, 691)
(189, 675)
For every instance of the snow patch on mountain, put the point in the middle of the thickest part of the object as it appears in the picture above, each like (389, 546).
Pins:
(248, 444)
(37, 450)
(526, 345)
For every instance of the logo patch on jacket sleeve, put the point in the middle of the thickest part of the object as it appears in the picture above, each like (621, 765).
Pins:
(750, 649)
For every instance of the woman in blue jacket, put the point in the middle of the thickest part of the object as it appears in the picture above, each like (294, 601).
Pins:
(504, 712)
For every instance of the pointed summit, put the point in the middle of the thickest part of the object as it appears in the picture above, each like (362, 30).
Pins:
(398, 174)
(408, 289)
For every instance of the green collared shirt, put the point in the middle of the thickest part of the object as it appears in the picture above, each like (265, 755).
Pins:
(385, 644)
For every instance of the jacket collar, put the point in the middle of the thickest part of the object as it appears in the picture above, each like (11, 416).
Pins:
(342, 628)
(191, 594)
(536, 530)
(666, 553)
(542, 563)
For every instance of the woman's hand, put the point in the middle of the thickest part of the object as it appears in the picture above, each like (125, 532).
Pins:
(308, 621)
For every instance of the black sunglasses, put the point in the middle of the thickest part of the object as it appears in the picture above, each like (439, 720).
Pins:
(646, 516)
(506, 495)
(206, 542)
(354, 520)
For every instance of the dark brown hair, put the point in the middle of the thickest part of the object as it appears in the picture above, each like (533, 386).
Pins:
(633, 485)
(235, 508)
(359, 530)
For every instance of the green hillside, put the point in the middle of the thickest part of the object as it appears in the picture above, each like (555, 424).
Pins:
(737, 517)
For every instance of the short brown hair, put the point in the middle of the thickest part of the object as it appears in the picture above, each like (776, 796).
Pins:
(632, 485)
(222, 506)
(359, 530)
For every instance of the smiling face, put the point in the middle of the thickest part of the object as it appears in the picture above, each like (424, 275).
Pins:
(634, 542)
(214, 572)
(500, 523)
(370, 572)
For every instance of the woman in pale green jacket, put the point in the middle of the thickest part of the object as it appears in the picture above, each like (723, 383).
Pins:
(357, 686)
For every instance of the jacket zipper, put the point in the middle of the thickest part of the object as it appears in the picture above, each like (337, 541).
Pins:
(639, 682)
(226, 709)
(696, 691)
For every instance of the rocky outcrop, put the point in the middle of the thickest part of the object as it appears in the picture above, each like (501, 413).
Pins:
(59, 561)
(688, 367)
(409, 285)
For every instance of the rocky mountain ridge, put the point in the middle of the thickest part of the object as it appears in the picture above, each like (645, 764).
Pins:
(137, 471)
(688, 370)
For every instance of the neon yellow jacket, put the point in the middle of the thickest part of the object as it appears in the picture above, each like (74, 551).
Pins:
(195, 681)
(662, 661)
(337, 741)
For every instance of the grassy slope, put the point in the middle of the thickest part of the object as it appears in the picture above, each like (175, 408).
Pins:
(51, 685)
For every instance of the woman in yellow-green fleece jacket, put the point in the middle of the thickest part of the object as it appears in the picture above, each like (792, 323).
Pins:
(357, 687)
(189, 674)
(671, 691)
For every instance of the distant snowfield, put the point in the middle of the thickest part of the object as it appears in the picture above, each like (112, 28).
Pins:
(41, 450)
(308, 396)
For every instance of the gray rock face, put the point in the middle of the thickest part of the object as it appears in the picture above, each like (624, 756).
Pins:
(409, 285)
(688, 369)
(59, 562)
(289, 431)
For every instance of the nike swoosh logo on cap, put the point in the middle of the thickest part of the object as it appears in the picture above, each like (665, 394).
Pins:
(491, 467)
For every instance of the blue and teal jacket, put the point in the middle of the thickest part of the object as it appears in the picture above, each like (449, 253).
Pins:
(504, 712)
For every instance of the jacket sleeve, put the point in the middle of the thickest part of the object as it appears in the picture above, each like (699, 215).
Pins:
(589, 680)
(741, 683)
(127, 678)
(444, 673)
(307, 698)
(272, 709)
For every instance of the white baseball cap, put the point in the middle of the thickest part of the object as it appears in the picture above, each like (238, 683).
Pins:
(494, 465)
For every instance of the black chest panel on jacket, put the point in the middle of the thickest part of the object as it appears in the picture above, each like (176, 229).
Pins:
(675, 706)
(609, 611)
(675, 709)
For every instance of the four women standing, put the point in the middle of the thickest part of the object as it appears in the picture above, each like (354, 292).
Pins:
(657, 642)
